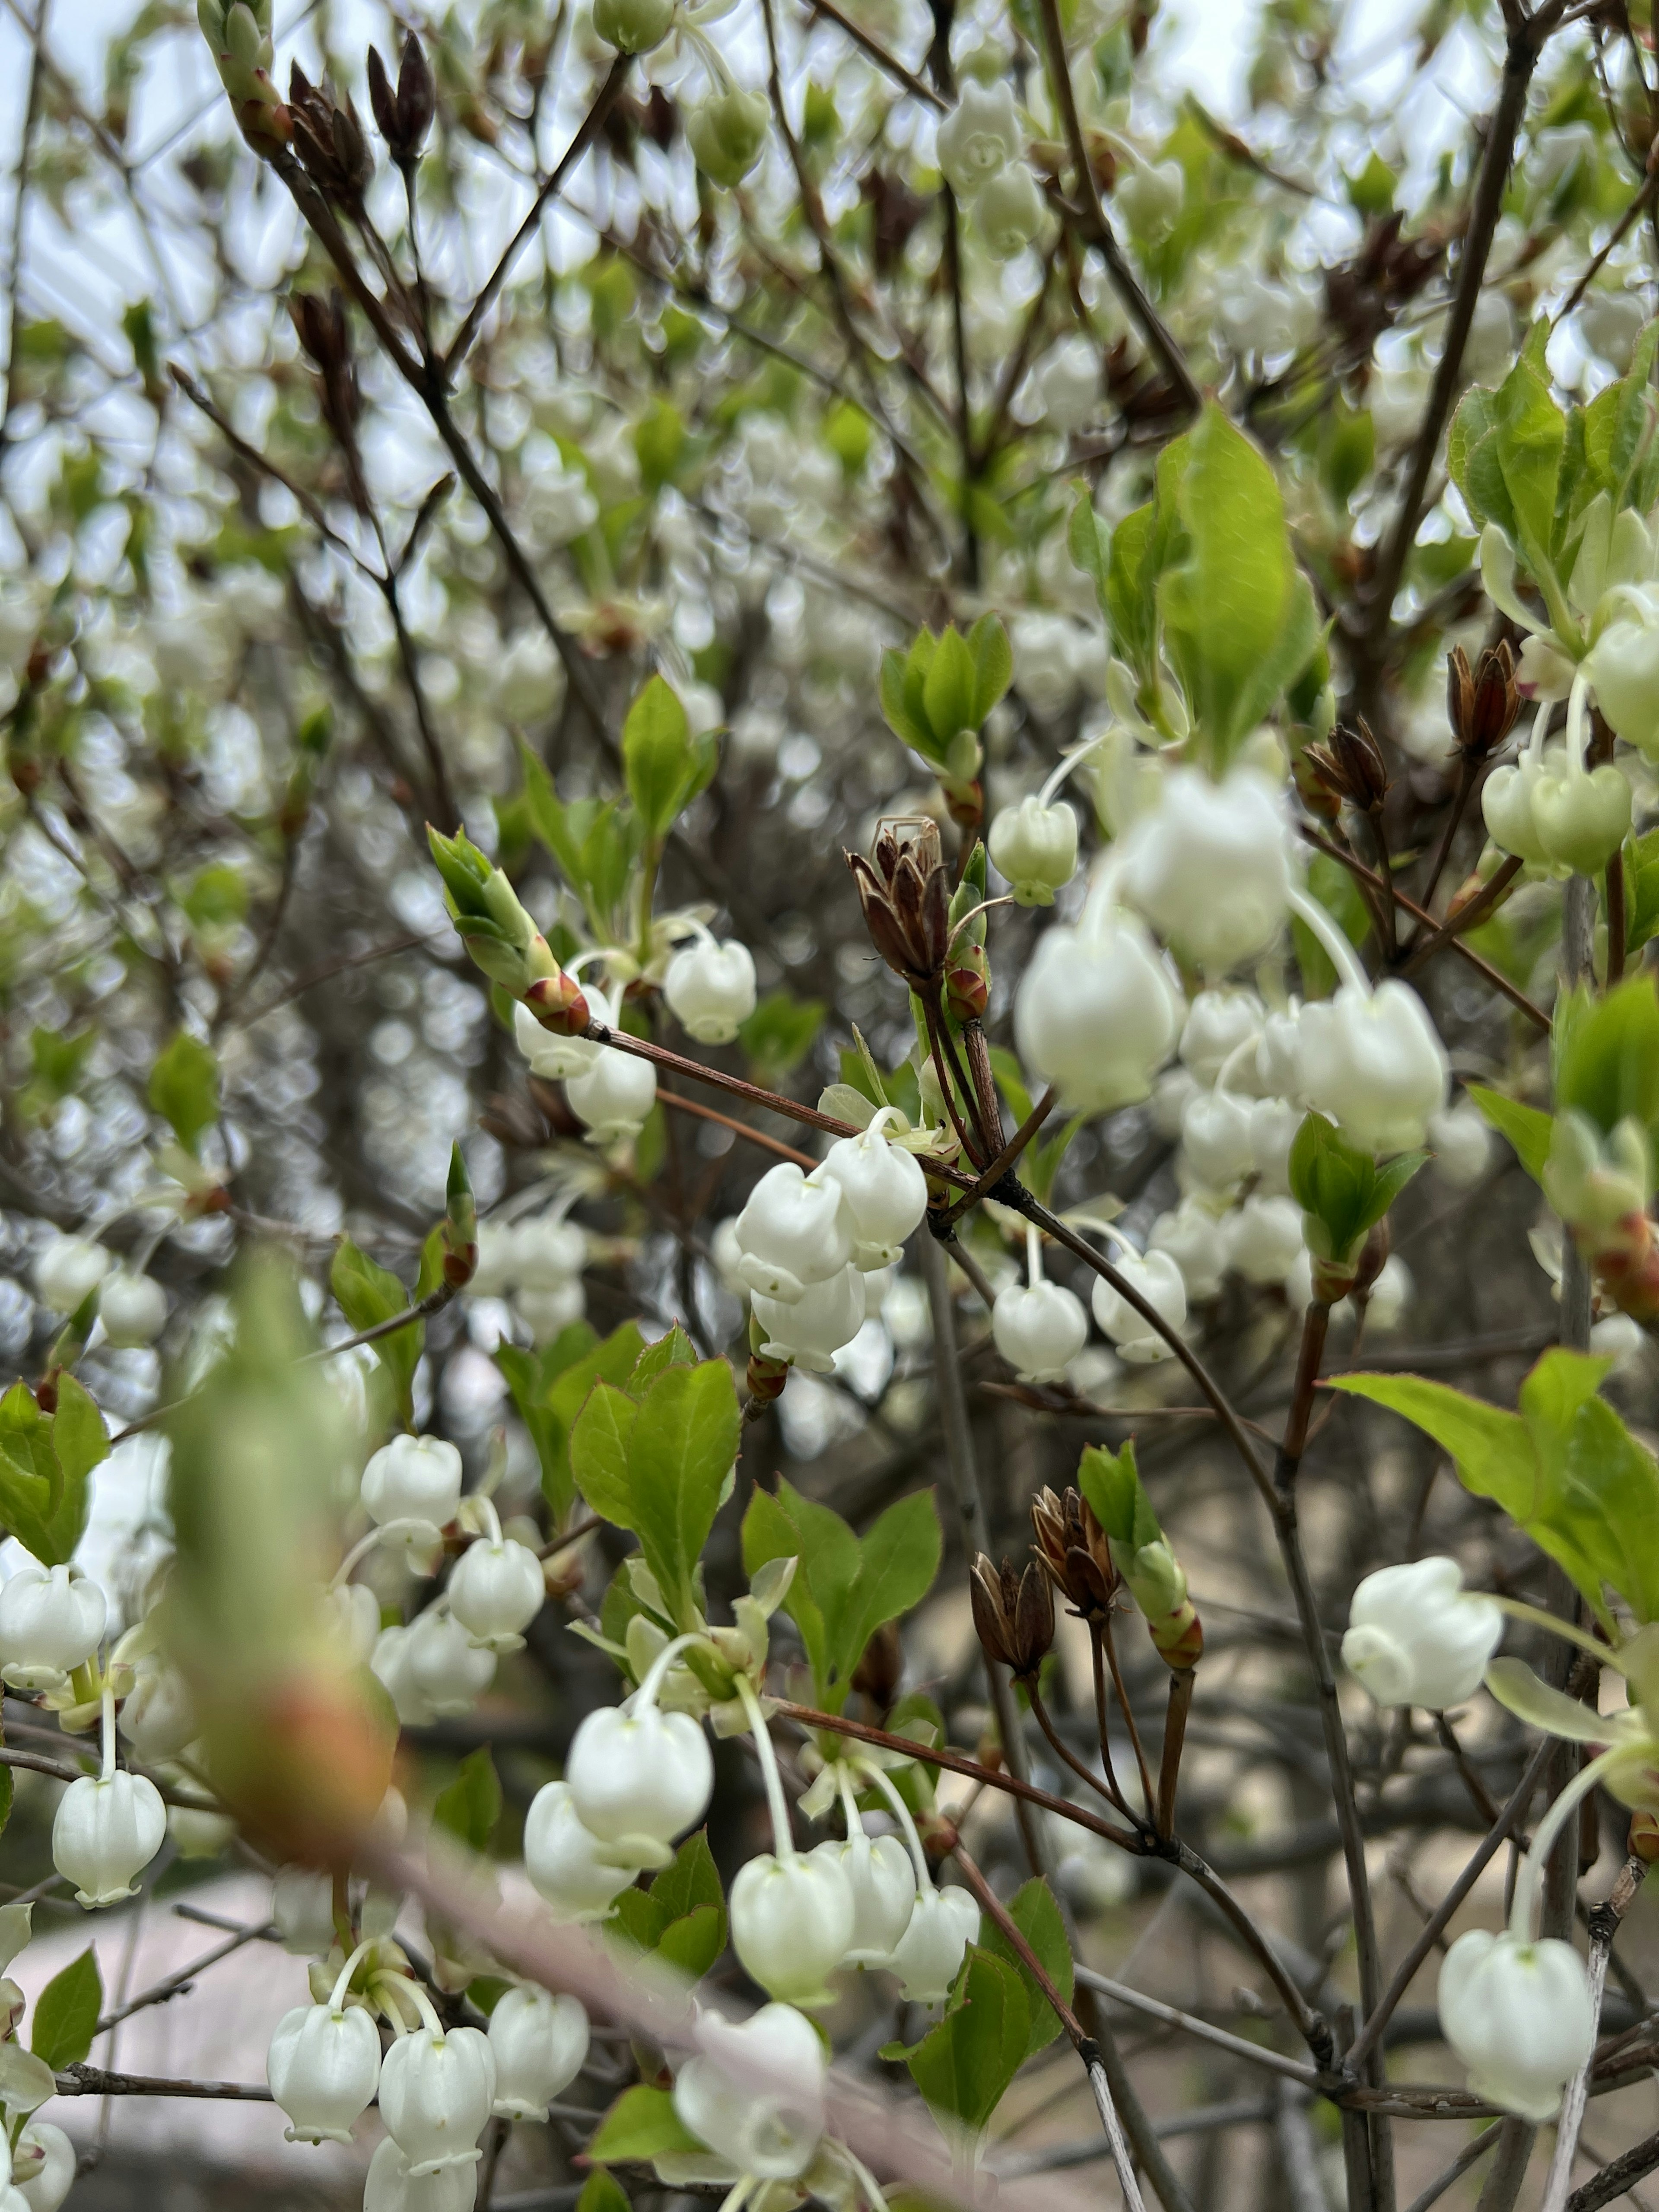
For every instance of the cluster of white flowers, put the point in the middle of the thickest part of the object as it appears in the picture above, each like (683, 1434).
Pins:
(537, 1263)
(133, 1307)
(982, 153)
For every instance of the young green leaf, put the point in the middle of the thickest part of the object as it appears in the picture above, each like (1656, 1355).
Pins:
(66, 2013)
(469, 1806)
(1034, 1912)
(657, 755)
(642, 2124)
(964, 2066)
(1527, 1127)
(184, 1088)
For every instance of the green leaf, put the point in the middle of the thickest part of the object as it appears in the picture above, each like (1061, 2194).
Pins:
(1527, 1127)
(1606, 1053)
(598, 1453)
(682, 1446)
(1089, 542)
(530, 1378)
(674, 1348)
(993, 666)
(1492, 1449)
(1131, 599)
(1641, 889)
(682, 1915)
(602, 2192)
(1530, 433)
(657, 754)
(900, 1559)
(184, 1088)
(964, 2065)
(904, 714)
(949, 691)
(1033, 1910)
(1342, 1188)
(46, 1461)
(1239, 616)
(367, 1294)
(66, 2013)
(1111, 1483)
(471, 1805)
(642, 2124)
(778, 1035)
(771, 1530)
(1472, 458)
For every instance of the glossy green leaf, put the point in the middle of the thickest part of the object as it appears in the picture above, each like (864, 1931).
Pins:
(598, 1453)
(682, 1445)
(1527, 1127)
(642, 2124)
(184, 1088)
(1033, 1910)
(682, 1915)
(657, 754)
(531, 1376)
(964, 2067)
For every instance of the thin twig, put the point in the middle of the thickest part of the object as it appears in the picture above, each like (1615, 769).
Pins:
(1604, 1927)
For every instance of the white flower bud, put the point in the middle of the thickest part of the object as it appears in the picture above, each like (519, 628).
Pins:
(1067, 382)
(638, 1780)
(633, 27)
(389, 1663)
(1373, 1062)
(302, 1908)
(1461, 1138)
(555, 1058)
(791, 1924)
(979, 136)
(1173, 1092)
(1417, 1638)
(1390, 1295)
(1097, 1013)
(615, 1096)
(449, 1670)
(812, 1330)
(1264, 1239)
(885, 1194)
(108, 1830)
(133, 1307)
(496, 1591)
(1218, 1021)
(710, 989)
(928, 1956)
(1045, 661)
(754, 2093)
(547, 1253)
(1196, 1242)
(435, 2095)
(67, 1269)
(1582, 815)
(1215, 1139)
(1008, 213)
(1278, 1064)
(322, 2067)
(1506, 805)
(540, 2043)
(1209, 867)
(882, 1885)
(793, 1234)
(1150, 193)
(1623, 667)
(412, 1486)
(1160, 1283)
(1034, 848)
(44, 2166)
(1039, 1331)
(52, 1620)
(1519, 2015)
(547, 1313)
(1274, 1125)
(562, 1858)
(199, 1835)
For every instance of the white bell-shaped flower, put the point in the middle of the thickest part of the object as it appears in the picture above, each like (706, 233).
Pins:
(812, 1330)
(1519, 2015)
(352, 1613)
(388, 2186)
(450, 1671)
(411, 1487)
(1040, 1328)
(1623, 668)
(1390, 1295)
(389, 1663)
(882, 1884)
(794, 1233)
(928, 1956)
(754, 2093)
(1215, 1139)
(1219, 1022)
(884, 1190)
(547, 1313)
(44, 2166)
(614, 1097)
(1274, 1125)
(1416, 1636)
(710, 988)
(540, 2044)
(1264, 1239)
(1210, 866)
(158, 1714)
(133, 1307)
(302, 1909)
(1160, 1282)
(1278, 1062)
(68, 1270)
(639, 1779)
(791, 1923)
(1034, 848)
(1097, 1013)
(1009, 211)
(106, 1831)
(1197, 1243)
(495, 1592)
(978, 137)
(322, 2067)
(555, 1058)
(547, 1251)
(1461, 1138)
(1373, 1062)
(562, 1858)
(52, 1620)
(436, 2090)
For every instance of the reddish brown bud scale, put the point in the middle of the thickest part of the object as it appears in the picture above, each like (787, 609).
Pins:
(1482, 703)
(1013, 1613)
(1350, 765)
(766, 1377)
(905, 894)
(1073, 1548)
(558, 1004)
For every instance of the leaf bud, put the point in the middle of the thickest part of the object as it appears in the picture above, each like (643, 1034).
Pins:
(727, 133)
(968, 984)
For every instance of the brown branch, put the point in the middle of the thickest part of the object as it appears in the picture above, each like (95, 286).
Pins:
(738, 1128)
(1468, 917)
(879, 54)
